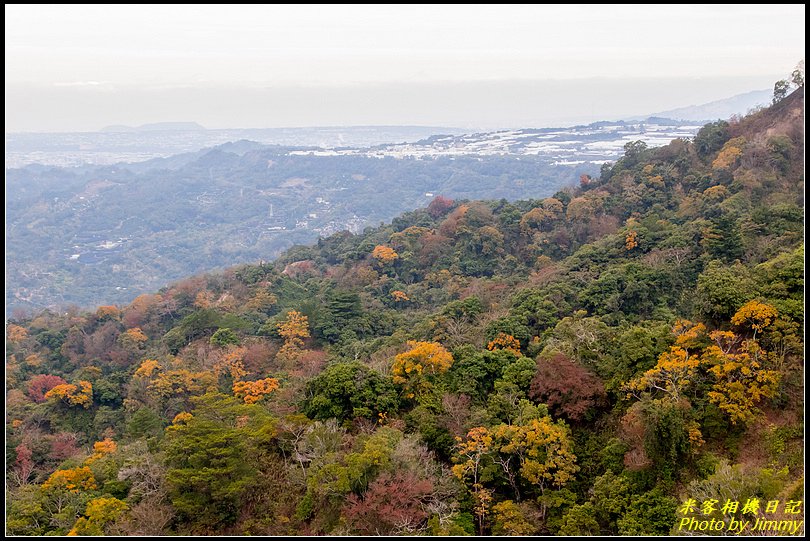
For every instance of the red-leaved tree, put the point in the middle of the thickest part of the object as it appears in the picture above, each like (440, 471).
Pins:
(41, 384)
(393, 504)
(566, 387)
(439, 206)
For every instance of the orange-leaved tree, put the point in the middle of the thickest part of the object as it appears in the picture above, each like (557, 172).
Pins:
(505, 341)
(102, 449)
(253, 391)
(15, 333)
(384, 254)
(73, 395)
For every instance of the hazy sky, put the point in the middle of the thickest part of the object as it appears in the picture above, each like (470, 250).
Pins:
(83, 67)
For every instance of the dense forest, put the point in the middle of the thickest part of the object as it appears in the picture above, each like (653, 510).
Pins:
(603, 361)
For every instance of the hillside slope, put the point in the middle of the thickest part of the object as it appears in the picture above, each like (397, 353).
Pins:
(583, 364)
(83, 236)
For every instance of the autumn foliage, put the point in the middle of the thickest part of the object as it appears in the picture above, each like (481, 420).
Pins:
(393, 504)
(72, 480)
(631, 240)
(413, 368)
(99, 513)
(566, 387)
(294, 329)
(384, 254)
(39, 385)
(756, 315)
(253, 391)
(15, 333)
(732, 365)
(504, 341)
(102, 449)
(543, 448)
(740, 381)
(729, 154)
(109, 312)
(147, 368)
(494, 368)
(439, 206)
(399, 296)
(73, 395)
(132, 338)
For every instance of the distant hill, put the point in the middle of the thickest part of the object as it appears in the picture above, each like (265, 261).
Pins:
(719, 109)
(157, 126)
(127, 144)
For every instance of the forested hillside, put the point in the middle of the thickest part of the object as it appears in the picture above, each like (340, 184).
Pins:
(98, 235)
(588, 363)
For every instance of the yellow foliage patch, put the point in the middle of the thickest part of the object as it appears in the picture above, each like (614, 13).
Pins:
(384, 254)
(72, 480)
(147, 369)
(423, 359)
(631, 240)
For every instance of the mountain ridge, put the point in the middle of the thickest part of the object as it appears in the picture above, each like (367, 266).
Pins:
(723, 109)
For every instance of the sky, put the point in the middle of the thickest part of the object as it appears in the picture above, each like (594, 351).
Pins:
(79, 68)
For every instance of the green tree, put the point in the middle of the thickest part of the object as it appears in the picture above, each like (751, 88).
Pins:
(651, 513)
(346, 391)
(213, 458)
(579, 520)
(224, 337)
(722, 290)
(780, 90)
(711, 138)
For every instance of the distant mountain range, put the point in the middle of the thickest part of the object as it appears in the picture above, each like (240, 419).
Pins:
(126, 144)
(719, 109)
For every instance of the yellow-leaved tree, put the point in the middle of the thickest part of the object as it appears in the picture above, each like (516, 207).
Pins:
(538, 450)
(676, 369)
(729, 362)
(71, 480)
(470, 454)
(729, 153)
(756, 315)
(415, 368)
(99, 513)
(740, 380)
(541, 449)
(294, 329)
